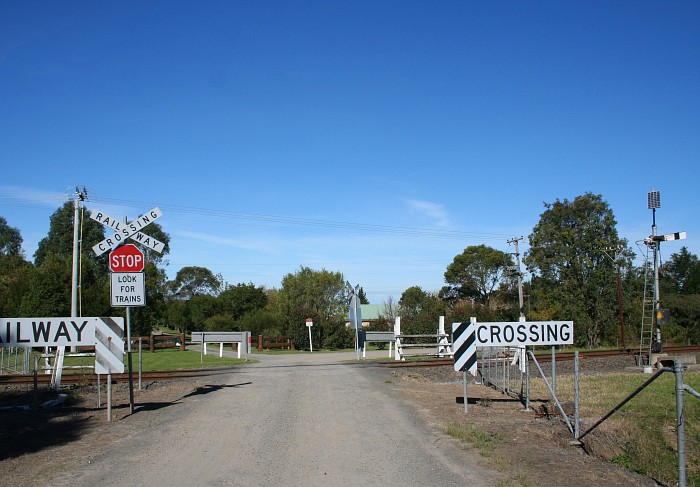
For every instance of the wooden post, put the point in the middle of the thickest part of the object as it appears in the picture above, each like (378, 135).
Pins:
(260, 341)
(182, 342)
(151, 344)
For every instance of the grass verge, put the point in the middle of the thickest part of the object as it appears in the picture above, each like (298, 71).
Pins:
(645, 428)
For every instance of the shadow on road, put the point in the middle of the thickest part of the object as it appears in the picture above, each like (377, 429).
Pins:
(206, 389)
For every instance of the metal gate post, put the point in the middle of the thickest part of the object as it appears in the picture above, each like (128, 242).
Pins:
(680, 429)
(527, 381)
(577, 422)
(554, 371)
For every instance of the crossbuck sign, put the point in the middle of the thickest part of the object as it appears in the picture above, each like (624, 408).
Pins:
(131, 230)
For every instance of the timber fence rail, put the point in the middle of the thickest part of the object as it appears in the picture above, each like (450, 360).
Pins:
(275, 341)
(161, 341)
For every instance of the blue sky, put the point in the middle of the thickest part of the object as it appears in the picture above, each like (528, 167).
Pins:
(374, 138)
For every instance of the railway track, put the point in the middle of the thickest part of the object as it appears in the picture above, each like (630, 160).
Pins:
(547, 356)
(83, 379)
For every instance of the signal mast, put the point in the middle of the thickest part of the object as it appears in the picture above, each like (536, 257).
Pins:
(658, 316)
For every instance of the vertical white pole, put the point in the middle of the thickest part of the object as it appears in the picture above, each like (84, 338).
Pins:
(76, 258)
(397, 333)
(390, 344)
(311, 344)
(464, 379)
(109, 396)
(221, 350)
(131, 369)
(357, 325)
(140, 361)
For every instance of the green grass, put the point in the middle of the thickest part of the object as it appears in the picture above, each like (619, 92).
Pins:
(645, 426)
(472, 437)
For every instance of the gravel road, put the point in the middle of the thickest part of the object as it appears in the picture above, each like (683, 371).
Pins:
(293, 420)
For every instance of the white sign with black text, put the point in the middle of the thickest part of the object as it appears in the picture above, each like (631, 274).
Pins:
(47, 332)
(519, 333)
(128, 289)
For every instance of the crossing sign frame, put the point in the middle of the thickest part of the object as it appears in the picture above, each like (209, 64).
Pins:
(123, 231)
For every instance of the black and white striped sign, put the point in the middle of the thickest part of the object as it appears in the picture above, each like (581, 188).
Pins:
(464, 339)
(109, 346)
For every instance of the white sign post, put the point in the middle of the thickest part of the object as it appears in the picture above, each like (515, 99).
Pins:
(309, 324)
(127, 288)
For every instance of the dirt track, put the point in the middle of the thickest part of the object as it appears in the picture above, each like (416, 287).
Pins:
(292, 420)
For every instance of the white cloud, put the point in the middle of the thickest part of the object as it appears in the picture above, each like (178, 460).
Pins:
(31, 195)
(434, 211)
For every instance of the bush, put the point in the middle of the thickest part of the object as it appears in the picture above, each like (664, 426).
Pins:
(262, 322)
(220, 323)
(338, 336)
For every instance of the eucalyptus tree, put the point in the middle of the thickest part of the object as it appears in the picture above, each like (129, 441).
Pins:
(319, 295)
(15, 271)
(476, 273)
(572, 277)
(420, 310)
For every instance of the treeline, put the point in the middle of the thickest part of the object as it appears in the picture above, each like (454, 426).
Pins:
(571, 269)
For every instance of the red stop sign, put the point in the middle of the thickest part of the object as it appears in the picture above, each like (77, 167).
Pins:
(126, 258)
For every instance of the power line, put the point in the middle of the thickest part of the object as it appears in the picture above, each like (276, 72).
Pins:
(367, 228)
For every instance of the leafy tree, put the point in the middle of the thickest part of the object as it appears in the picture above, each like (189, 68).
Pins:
(572, 276)
(192, 281)
(683, 269)
(240, 299)
(476, 273)
(145, 318)
(15, 272)
(16, 275)
(363, 297)
(10, 239)
(59, 240)
(178, 315)
(202, 307)
(49, 292)
(464, 310)
(319, 295)
(262, 322)
(220, 323)
(420, 311)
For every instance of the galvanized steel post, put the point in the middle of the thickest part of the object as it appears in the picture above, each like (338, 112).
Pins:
(680, 428)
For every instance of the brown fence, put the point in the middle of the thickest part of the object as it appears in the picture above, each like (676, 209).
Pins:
(275, 341)
(162, 341)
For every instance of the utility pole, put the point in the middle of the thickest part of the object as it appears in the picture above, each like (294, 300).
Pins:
(519, 273)
(616, 257)
(80, 197)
